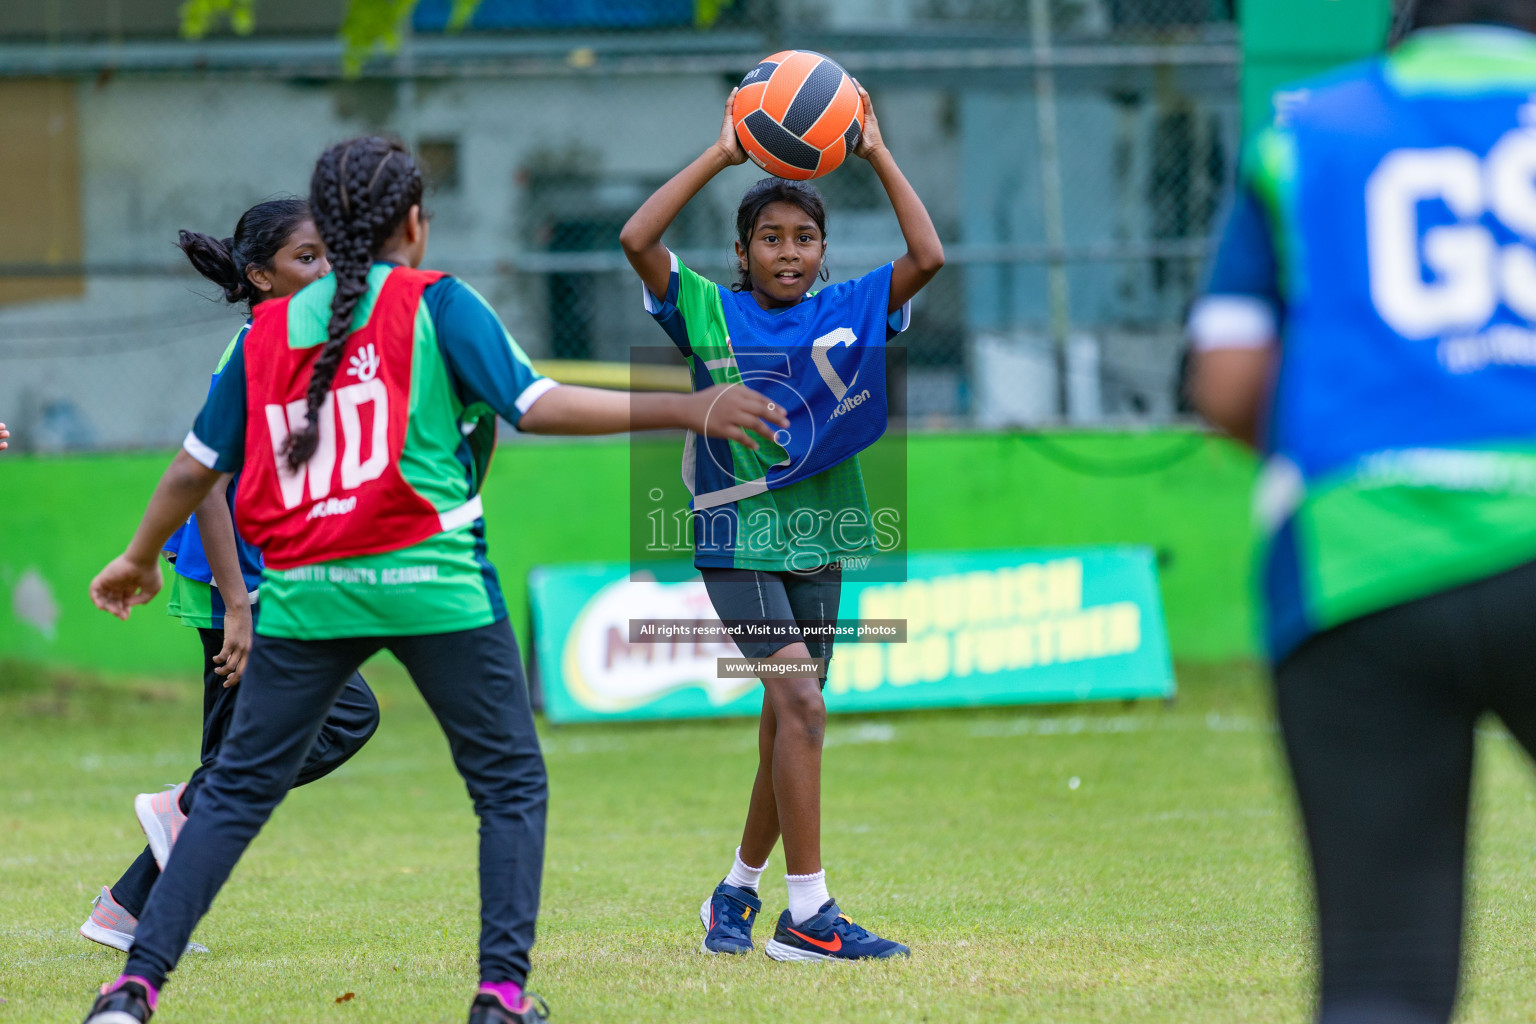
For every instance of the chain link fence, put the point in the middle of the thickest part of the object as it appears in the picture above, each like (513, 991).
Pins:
(1073, 154)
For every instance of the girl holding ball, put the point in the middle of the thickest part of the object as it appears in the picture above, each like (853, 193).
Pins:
(758, 567)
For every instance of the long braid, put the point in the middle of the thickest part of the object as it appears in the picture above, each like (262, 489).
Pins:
(360, 193)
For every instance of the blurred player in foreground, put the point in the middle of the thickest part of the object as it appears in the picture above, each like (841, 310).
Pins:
(275, 251)
(1369, 328)
(362, 413)
(758, 573)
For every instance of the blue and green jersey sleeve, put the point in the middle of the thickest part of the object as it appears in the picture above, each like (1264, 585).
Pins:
(691, 313)
(489, 369)
(1243, 305)
(217, 439)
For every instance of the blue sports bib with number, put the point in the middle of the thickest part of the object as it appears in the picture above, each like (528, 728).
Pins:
(1402, 434)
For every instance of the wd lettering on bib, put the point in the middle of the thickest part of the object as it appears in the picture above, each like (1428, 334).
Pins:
(349, 499)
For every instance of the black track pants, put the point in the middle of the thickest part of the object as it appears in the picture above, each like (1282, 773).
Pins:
(473, 682)
(347, 727)
(1378, 717)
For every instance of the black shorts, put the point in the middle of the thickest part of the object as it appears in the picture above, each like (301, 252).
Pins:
(788, 602)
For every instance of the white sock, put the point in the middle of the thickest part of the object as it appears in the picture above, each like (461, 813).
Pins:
(806, 895)
(742, 876)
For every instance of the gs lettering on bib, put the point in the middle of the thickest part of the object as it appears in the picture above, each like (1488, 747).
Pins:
(350, 498)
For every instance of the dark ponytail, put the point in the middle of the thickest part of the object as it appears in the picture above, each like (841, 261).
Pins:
(262, 231)
(359, 195)
(765, 192)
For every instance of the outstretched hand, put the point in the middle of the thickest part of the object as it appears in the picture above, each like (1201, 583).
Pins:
(870, 141)
(123, 584)
(728, 144)
(730, 410)
(3, 435)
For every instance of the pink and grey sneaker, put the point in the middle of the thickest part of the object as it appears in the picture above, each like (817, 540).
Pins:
(111, 925)
(128, 1000)
(161, 819)
(507, 1003)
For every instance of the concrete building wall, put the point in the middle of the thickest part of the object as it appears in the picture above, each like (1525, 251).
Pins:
(123, 363)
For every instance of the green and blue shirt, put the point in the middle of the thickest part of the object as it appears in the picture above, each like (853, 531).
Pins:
(466, 370)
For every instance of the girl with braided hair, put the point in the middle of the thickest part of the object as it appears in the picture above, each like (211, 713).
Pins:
(362, 412)
(275, 251)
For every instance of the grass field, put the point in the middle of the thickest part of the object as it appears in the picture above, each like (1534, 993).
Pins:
(1109, 863)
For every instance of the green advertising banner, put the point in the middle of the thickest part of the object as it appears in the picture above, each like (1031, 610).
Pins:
(983, 627)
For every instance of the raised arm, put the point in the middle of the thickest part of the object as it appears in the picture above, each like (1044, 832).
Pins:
(641, 237)
(925, 253)
(725, 410)
(133, 577)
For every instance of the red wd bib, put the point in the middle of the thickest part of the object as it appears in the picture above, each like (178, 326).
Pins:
(350, 498)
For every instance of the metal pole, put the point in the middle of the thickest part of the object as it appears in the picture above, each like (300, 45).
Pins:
(405, 86)
(1050, 190)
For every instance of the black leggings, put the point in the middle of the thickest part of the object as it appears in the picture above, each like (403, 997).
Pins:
(347, 727)
(473, 682)
(1378, 717)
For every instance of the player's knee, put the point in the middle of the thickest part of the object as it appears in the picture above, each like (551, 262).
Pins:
(800, 707)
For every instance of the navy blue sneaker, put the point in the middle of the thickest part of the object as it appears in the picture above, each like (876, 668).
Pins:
(830, 935)
(727, 916)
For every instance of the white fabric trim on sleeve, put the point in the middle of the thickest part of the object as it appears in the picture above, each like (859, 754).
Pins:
(906, 316)
(652, 303)
(199, 451)
(533, 392)
(1232, 321)
(462, 515)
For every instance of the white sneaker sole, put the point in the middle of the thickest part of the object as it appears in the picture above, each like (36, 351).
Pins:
(122, 940)
(704, 920)
(149, 821)
(113, 1017)
(779, 951)
(106, 936)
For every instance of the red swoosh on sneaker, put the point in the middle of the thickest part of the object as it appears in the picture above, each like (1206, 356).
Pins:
(831, 947)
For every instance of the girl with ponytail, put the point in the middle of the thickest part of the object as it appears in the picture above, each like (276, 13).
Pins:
(373, 395)
(275, 251)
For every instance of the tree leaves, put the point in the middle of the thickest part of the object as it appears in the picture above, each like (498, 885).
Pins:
(198, 16)
(370, 26)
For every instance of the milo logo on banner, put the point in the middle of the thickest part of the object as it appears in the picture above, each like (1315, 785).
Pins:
(606, 672)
